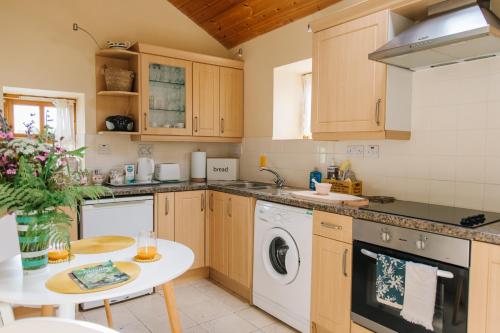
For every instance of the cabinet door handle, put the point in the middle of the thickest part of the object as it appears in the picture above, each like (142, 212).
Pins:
(222, 125)
(331, 226)
(313, 327)
(196, 124)
(145, 121)
(377, 111)
(167, 206)
(230, 208)
(211, 202)
(344, 262)
(202, 202)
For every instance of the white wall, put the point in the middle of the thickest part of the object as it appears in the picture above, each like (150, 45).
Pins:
(453, 157)
(41, 51)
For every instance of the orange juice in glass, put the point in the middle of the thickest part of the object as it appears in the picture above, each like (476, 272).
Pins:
(58, 251)
(147, 244)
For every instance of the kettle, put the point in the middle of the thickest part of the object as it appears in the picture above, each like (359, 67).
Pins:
(145, 169)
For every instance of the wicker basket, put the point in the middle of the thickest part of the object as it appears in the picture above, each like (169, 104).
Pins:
(118, 79)
(347, 187)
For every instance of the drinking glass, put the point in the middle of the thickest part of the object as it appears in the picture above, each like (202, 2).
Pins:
(58, 251)
(147, 245)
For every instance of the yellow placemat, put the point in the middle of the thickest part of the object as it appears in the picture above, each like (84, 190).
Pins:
(63, 284)
(155, 258)
(101, 244)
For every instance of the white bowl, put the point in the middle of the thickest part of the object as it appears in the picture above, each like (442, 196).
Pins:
(323, 188)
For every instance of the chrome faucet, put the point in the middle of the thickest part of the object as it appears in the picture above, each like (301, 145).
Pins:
(279, 181)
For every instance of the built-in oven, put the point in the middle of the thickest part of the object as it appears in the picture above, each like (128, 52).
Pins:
(450, 255)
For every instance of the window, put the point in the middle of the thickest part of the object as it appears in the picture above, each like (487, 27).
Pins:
(37, 112)
(292, 92)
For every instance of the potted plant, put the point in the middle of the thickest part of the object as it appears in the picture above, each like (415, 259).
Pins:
(36, 181)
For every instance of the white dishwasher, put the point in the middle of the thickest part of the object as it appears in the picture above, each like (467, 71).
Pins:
(121, 216)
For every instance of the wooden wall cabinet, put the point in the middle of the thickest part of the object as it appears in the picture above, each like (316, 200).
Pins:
(231, 241)
(354, 97)
(190, 97)
(166, 99)
(231, 102)
(206, 116)
(484, 289)
(331, 275)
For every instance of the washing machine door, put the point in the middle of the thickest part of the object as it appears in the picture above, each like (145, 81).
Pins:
(280, 256)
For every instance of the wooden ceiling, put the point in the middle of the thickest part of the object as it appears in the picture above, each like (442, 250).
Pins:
(233, 22)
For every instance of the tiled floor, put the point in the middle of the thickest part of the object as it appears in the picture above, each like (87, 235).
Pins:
(203, 307)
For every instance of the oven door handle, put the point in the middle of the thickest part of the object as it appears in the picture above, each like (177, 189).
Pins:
(440, 273)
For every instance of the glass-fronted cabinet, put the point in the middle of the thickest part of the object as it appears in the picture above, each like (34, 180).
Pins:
(166, 95)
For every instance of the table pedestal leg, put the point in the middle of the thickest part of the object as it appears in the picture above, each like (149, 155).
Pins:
(109, 316)
(173, 315)
(47, 310)
(66, 311)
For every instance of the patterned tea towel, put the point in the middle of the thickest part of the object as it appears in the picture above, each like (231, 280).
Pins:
(390, 281)
(420, 294)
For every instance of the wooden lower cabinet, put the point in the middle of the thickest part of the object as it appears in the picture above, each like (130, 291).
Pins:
(219, 226)
(231, 241)
(180, 217)
(190, 223)
(355, 328)
(164, 215)
(484, 290)
(331, 282)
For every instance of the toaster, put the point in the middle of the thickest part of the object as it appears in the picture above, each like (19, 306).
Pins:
(167, 172)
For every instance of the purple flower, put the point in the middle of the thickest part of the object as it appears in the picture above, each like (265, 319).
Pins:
(11, 171)
(41, 158)
(60, 150)
(7, 135)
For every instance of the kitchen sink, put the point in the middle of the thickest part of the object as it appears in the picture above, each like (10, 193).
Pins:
(251, 185)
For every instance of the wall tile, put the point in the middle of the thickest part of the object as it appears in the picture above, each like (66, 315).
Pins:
(443, 142)
(471, 142)
(469, 195)
(470, 169)
(442, 192)
(442, 167)
(491, 198)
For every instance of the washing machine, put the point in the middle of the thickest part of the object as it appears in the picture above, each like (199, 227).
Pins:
(282, 263)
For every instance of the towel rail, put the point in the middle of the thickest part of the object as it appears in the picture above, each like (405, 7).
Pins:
(440, 273)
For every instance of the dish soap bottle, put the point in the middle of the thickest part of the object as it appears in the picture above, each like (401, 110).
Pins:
(316, 174)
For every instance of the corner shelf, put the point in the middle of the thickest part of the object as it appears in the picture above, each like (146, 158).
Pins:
(117, 93)
(117, 53)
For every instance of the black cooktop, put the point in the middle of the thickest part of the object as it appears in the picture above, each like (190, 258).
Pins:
(468, 218)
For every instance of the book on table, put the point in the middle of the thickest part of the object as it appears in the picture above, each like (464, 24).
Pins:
(98, 276)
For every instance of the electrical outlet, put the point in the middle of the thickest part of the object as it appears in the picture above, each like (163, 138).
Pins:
(145, 150)
(355, 150)
(104, 149)
(372, 151)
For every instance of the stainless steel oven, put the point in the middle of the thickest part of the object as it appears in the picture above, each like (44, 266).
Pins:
(450, 255)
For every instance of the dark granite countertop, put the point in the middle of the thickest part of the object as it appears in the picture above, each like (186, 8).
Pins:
(489, 233)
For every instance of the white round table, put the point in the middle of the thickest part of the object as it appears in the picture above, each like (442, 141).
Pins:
(17, 288)
(54, 325)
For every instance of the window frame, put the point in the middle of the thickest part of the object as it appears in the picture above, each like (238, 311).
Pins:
(12, 100)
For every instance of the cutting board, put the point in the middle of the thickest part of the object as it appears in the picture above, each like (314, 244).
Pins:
(332, 198)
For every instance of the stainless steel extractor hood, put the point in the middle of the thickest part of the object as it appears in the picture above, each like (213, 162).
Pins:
(461, 34)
